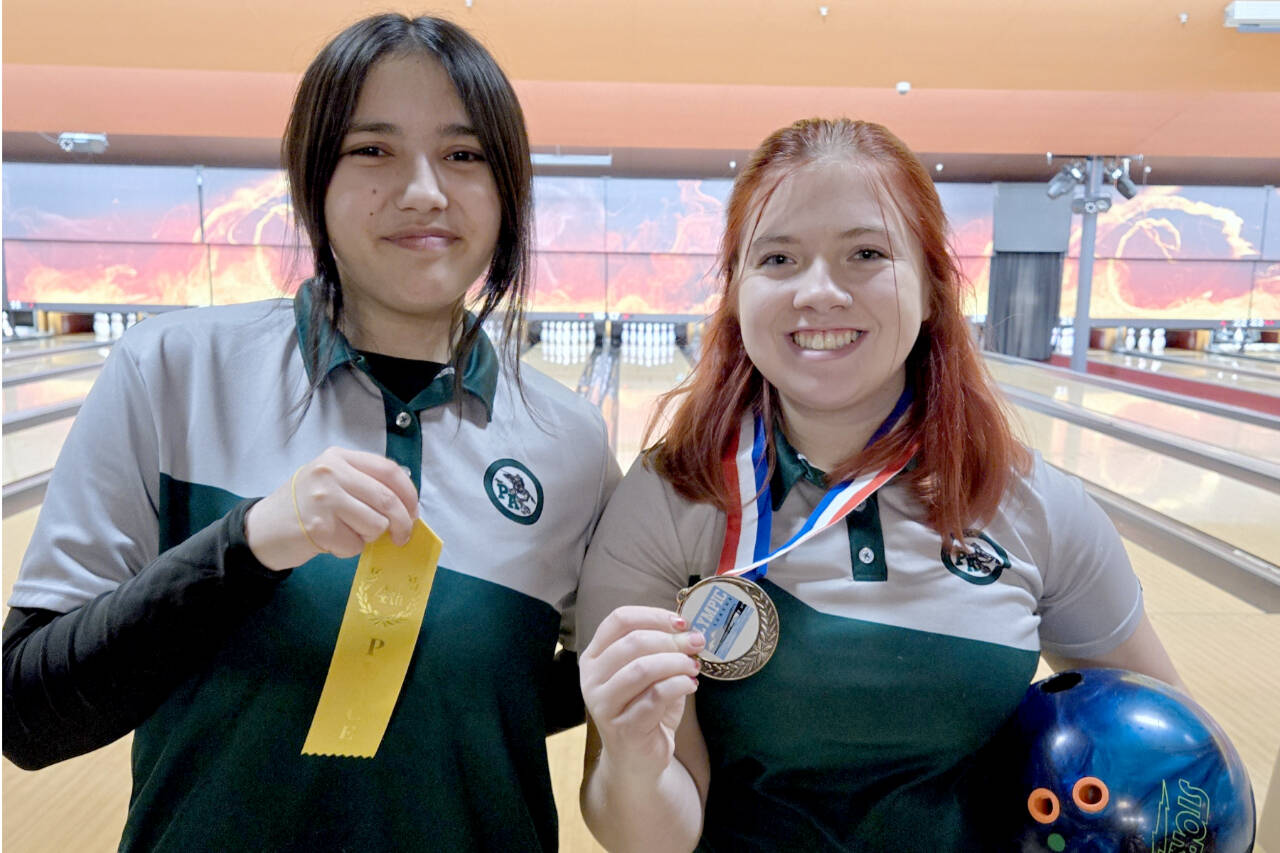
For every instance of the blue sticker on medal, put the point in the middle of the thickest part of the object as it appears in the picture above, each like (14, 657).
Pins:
(737, 619)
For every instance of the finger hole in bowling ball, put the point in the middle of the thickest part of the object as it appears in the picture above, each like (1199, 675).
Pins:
(1062, 681)
(1043, 805)
(1090, 794)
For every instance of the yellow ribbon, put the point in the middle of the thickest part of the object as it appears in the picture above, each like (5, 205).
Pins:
(379, 630)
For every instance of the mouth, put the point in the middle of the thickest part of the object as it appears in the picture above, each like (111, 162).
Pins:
(422, 238)
(825, 340)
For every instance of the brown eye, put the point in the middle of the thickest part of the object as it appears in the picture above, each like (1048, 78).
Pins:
(1043, 805)
(1091, 794)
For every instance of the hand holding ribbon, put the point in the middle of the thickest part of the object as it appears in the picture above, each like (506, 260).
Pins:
(337, 503)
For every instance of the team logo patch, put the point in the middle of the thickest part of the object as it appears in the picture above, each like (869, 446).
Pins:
(514, 491)
(984, 562)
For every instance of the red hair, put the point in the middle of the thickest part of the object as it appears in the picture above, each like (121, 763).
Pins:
(968, 454)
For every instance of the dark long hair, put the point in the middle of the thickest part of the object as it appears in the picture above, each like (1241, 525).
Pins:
(319, 120)
(968, 454)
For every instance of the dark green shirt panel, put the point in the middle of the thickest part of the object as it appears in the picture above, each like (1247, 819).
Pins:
(866, 542)
(462, 765)
(188, 507)
(872, 756)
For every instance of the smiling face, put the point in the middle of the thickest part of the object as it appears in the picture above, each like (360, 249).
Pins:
(831, 297)
(412, 210)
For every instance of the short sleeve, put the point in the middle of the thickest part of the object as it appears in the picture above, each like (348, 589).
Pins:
(649, 542)
(1092, 600)
(98, 525)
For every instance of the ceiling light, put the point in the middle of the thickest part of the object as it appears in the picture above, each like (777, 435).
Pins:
(82, 143)
(1065, 181)
(579, 160)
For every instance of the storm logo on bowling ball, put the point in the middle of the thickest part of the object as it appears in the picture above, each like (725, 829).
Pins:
(983, 561)
(1116, 762)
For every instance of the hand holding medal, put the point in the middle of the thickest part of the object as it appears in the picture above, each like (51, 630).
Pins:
(636, 674)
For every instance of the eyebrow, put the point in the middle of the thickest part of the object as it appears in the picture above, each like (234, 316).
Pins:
(786, 240)
(386, 128)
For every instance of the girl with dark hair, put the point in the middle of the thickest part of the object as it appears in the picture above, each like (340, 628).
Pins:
(160, 596)
(845, 679)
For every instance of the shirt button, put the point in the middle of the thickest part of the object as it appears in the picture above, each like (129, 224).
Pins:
(403, 420)
(860, 507)
(867, 556)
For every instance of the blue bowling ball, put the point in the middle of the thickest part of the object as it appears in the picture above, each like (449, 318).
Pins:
(1116, 761)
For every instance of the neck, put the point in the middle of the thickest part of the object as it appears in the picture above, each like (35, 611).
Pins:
(402, 336)
(829, 438)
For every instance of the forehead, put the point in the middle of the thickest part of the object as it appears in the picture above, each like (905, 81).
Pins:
(827, 195)
(406, 84)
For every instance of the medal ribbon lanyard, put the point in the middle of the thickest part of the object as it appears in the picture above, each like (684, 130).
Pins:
(749, 524)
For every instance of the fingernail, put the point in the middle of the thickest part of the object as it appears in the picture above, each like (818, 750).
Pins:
(696, 640)
(678, 623)
(697, 664)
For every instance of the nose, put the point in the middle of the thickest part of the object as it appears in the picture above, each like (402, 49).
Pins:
(817, 289)
(423, 189)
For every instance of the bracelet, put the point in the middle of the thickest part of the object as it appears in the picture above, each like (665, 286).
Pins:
(293, 487)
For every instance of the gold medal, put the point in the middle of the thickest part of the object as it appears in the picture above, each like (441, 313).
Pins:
(738, 620)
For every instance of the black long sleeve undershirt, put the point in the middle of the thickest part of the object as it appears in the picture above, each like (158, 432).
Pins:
(77, 681)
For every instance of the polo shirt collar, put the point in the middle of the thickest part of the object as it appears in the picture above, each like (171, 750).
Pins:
(790, 468)
(480, 379)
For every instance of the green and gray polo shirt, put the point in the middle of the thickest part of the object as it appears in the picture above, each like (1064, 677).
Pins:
(896, 662)
(196, 411)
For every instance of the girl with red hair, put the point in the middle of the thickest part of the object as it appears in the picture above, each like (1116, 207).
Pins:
(850, 674)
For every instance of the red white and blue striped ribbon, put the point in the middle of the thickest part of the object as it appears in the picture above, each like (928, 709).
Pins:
(748, 526)
(746, 469)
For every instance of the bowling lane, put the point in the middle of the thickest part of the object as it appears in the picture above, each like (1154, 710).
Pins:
(1248, 439)
(47, 392)
(26, 346)
(1234, 512)
(1227, 361)
(33, 450)
(644, 374)
(1197, 373)
(91, 357)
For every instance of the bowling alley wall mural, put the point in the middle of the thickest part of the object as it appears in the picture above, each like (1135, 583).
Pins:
(98, 235)
(1182, 253)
